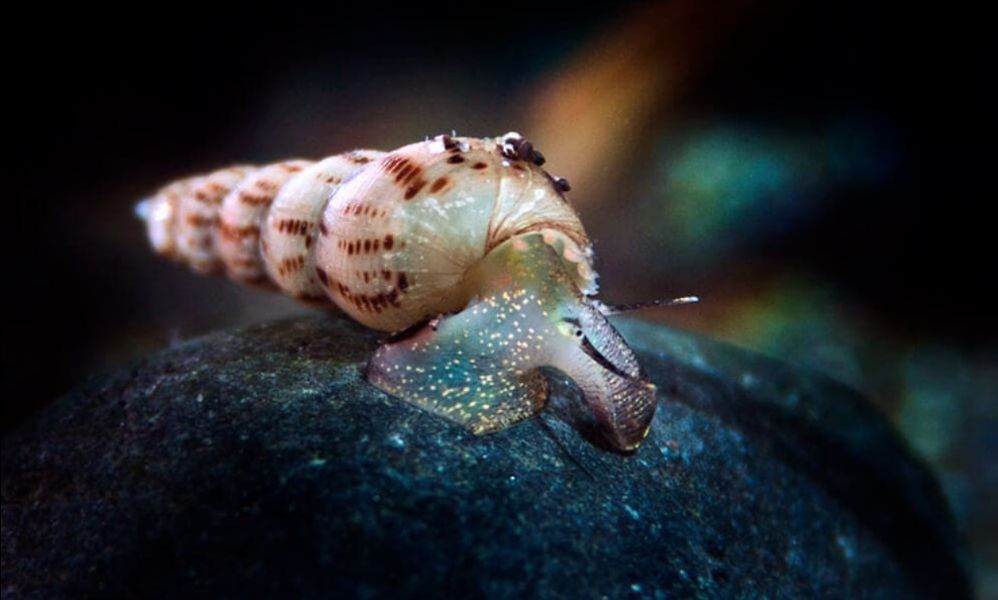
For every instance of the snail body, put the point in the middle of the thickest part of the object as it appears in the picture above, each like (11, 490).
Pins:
(463, 248)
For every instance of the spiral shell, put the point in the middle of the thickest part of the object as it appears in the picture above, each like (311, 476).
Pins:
(465, 248)
(385, 237)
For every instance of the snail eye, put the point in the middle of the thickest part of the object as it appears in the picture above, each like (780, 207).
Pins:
(589, 348)
(571, 328)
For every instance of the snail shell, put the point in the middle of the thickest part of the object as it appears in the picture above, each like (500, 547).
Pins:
(397, 240)
(434, 231)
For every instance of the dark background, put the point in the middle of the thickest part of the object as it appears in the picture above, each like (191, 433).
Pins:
(820, 175)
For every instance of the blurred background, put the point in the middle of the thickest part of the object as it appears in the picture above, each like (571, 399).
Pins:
(817, 174)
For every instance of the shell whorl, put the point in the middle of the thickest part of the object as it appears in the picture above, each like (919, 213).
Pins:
(387, 237)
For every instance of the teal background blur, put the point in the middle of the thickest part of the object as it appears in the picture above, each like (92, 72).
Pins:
(819, 175)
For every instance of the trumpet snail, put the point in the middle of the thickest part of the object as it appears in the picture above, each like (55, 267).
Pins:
(463, 248)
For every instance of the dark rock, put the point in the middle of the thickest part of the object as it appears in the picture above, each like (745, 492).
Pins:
(260, 464)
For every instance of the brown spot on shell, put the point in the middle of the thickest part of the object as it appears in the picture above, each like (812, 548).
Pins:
(217, 189)
(403, 282)
(438, 184)
(291, 265)
(357, 158)
(293, 226)
(479, 165)
(406, 170)
(247, 197)
(389, 241)
(266, 185)
(402, 167)
(322, 275)
(393, 163)
(231, 232)
(201, 221)
(413, 189)
(456, 159)
(410, 176)
(322, 228)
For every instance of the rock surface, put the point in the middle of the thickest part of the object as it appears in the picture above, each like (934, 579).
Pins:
(259, 463)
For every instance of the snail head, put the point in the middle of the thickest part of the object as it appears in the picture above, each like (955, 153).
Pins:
(481, 365)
